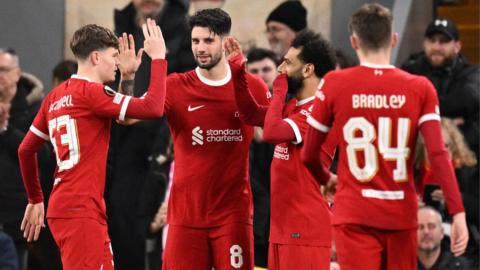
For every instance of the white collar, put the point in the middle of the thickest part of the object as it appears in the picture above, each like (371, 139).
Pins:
(370, 65)
(305, 100)
(75, 76)
(220, 82)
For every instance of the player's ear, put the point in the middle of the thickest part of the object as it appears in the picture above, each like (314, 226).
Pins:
(394, 39)
(308, 70)
(354, 42)
(94, 57)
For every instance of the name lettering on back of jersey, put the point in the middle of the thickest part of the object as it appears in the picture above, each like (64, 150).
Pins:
(215, 135)
(378, 101)
(65, 101)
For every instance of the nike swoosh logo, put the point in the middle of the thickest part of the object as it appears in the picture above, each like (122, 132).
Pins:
(191, 109)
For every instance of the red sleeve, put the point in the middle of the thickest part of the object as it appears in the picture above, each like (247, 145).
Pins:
(441, 166)
(108, 103)
(276, 129)
(27, 156)
(252, 111)
(313, 142)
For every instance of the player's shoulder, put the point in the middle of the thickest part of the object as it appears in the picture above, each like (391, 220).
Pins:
(181, 77)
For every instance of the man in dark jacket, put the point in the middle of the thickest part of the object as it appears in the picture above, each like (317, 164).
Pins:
(20, 98)
(133, 163)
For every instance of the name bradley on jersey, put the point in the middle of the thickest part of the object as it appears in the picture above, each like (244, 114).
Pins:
(65, 101)
(371, 101)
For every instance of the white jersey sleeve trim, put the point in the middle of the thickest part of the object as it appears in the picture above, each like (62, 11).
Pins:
(317, 125)
(428, 117)
(40, 134)
(296, 130)
(123, 110)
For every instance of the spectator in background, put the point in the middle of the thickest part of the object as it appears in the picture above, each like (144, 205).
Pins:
(20, 99)
(261, 62)
(283, 23)
(133, 154)
(431, 254)
(457, 82)
(62, 71)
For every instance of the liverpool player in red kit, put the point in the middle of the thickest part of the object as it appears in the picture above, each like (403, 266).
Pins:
(378, 111)
(210, 206)
(75, 117)
(300, 232)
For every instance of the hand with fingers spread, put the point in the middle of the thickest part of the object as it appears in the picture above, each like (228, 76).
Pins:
(154, 44)
(459, 234)
(33, 221)
(233, 50)
(128, 60)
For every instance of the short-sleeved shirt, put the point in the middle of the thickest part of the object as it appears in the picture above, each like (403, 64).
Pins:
(76, 117)
(211, 144)
(377, 111)
(299, 215)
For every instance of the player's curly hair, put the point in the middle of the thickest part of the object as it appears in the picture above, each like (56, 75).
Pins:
(92, 37)
(315, 50)
(372, 24)
(216, 20)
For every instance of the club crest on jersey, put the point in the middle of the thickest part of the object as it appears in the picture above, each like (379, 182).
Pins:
(109, 91)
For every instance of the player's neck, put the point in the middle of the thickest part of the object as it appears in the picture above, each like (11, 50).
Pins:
(216, 73)
(88, 72)
(428, 259)
(309, 88)
(380, 57)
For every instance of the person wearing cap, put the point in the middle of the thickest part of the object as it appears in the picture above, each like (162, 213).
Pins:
(457, 84)
(283, 23)
(456, 81)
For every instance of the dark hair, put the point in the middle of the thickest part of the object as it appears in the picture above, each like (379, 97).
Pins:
(92, 37)
(315, 50)
(64, 70)
(216, 20)
(372, 23)
(258, 54)
(344, 60)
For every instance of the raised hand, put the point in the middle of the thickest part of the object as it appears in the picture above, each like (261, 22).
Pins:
(128, 60)
(280, 85)
(33, 221)
(233, 50)
(154, 44)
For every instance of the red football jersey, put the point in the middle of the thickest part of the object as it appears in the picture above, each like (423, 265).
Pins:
(299, 213)
(210, 183)
(76, 117)
(378, 111)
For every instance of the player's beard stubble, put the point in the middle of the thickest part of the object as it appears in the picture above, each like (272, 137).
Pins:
(214, 60)
(295, 83)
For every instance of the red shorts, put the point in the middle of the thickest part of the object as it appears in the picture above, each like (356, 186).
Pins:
(375, 249)
(83, 243)
(225, 247)
(298, 257)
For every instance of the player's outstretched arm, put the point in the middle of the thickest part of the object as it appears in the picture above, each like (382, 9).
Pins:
(128, 63)
(251, 112)
(152, 104)
(275, 129)
(443, 170)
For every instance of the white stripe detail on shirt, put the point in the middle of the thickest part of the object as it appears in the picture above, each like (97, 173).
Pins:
(296, 130)
(317, 125)
(428, 117)
(383, 195)
(40, 134)
(118, 98)
(123, 110)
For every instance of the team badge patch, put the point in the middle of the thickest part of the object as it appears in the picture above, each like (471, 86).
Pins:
(109, 91)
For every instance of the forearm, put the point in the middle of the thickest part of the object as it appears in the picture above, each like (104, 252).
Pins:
(152, 104)
(250, 111)
(126, 84)
(27, 156)
(276, 130)
(441, 165)
(311, 155)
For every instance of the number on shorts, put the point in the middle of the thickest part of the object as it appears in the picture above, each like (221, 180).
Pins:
(236, 258)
